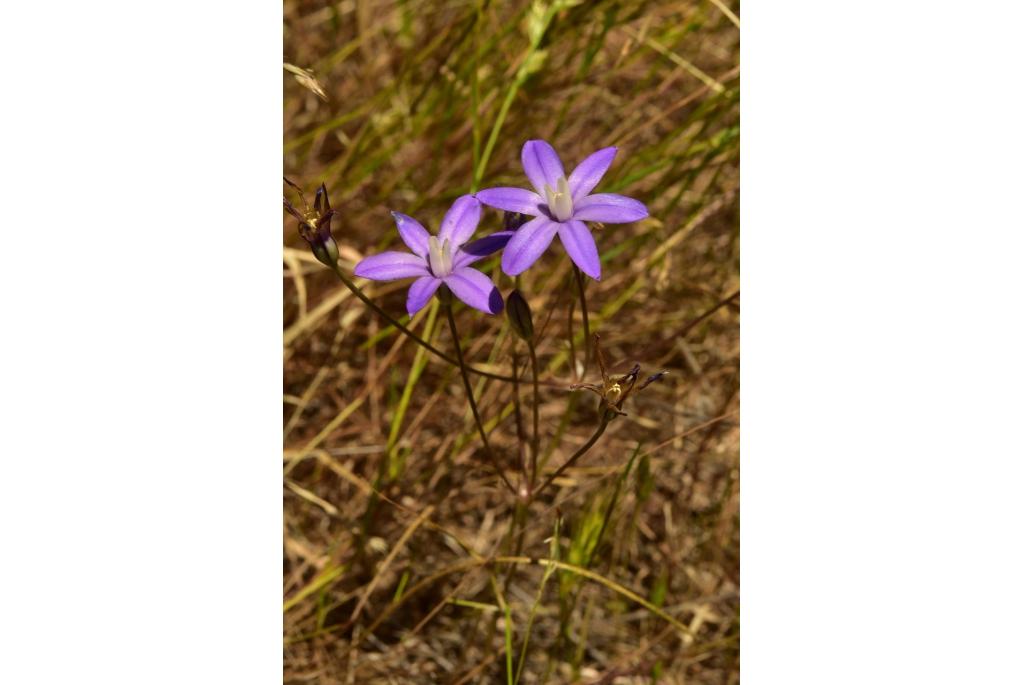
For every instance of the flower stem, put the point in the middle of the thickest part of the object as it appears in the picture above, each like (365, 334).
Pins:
(469, 392)
(517, 410)
(605, 418)
(415, 338)
(536, 416)
(572, 341)
(586, 318)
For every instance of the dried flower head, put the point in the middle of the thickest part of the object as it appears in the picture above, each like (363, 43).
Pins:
(315, 224)
(614, 390)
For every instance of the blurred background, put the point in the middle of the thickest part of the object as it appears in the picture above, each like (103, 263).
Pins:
(389, 505)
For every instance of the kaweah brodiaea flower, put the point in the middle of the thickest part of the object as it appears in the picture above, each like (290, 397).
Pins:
(560, 205)
(441, 259)
(615, 389)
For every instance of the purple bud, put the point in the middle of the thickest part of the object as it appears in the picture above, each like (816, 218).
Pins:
(519, 317)
(513, 220)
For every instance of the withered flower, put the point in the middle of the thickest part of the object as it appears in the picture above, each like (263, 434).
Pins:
(315, 224)
(614, 390)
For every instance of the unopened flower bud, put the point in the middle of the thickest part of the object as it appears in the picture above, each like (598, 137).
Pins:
(519, 316)
(326, 251)
(513, 220)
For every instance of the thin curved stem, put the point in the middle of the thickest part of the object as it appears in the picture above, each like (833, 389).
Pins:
(469, 394)
(415, 338)
(605, 418)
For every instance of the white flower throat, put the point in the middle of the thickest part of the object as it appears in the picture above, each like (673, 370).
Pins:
(559, 199)
(440, 257)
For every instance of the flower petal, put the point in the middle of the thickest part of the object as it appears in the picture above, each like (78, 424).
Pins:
(589, 172)
(413, 234)
(541, 164)
(420, 292)
(475, 289)
(609, 208)
(527, 245)
(511, 200)
(390, 266)
(579, 243)
(482, 247)
(460, 222)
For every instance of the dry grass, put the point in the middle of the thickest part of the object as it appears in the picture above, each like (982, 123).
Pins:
(397, 563)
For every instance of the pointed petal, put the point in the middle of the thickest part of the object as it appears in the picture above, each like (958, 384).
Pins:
(320, 202)
(579, 243)
(460, 222)
(475, 289)
(541, 164)
(527, 245)
(589, 172)
(390, 266)
(420, 292)
(511, 200)
(609, 208)
(482, 247)
(412, 232)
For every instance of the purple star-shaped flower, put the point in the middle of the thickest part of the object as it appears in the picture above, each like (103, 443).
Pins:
(560, 206)
(444, 258)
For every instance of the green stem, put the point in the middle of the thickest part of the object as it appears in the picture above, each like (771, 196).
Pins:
(446, 303)
(415, 338)
(536, 416)
(520, 433)
(586, 318)
(572, 341)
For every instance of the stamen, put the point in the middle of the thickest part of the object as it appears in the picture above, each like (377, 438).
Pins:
(612, 393)
(559, 199)
(446, 257)
(440, 256)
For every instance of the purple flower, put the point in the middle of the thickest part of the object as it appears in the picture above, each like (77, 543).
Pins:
(560, 206)
(444, 258)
